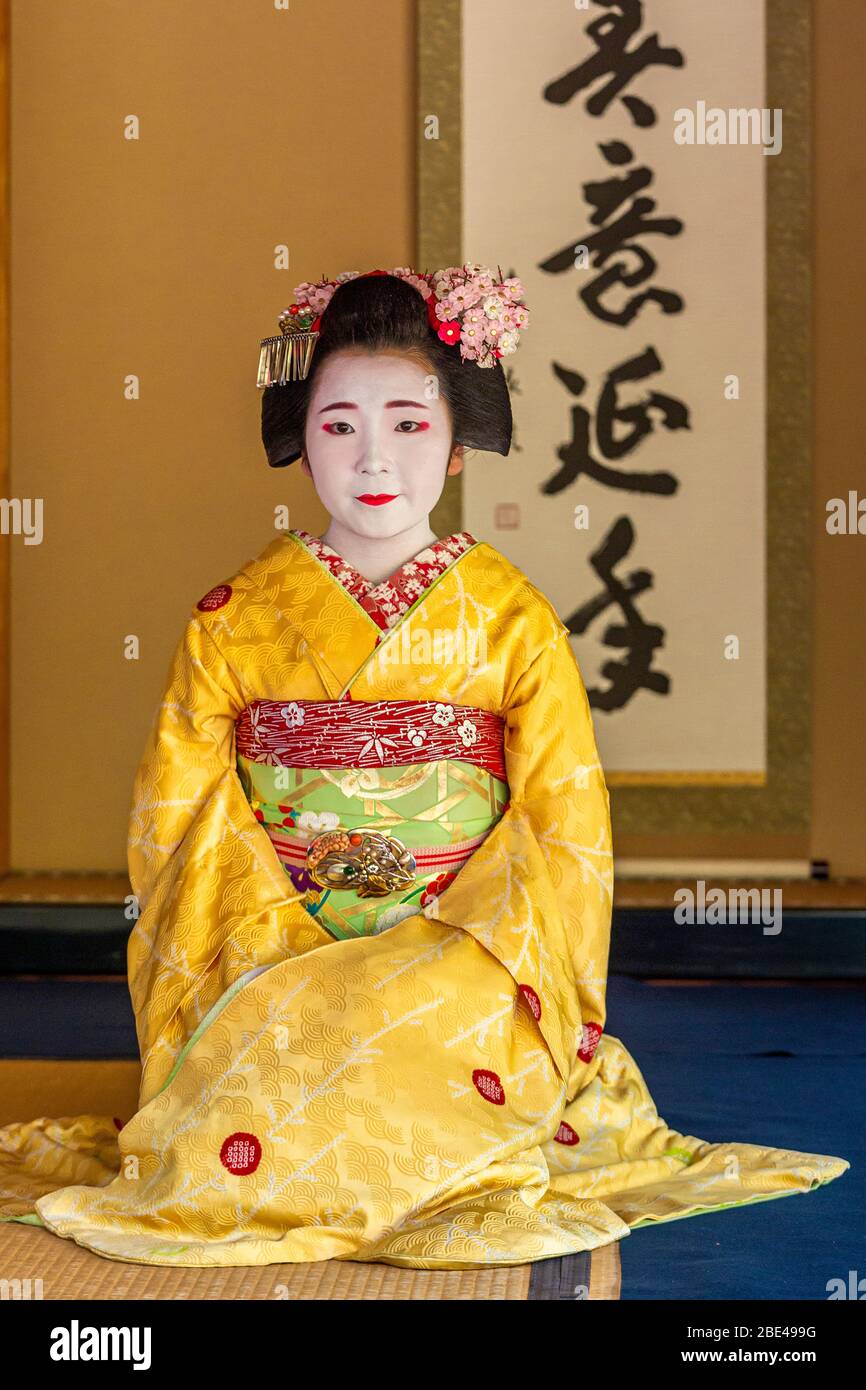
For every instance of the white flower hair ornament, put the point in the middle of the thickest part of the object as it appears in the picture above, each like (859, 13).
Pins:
(467, 307)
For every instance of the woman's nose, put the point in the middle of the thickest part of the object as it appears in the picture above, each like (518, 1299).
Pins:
(373, 464)
(373, 456)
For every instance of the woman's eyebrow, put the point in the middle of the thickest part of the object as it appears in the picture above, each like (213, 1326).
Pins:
(350, 405)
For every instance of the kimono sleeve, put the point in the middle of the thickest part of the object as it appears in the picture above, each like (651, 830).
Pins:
(213, 899)
(188, 752)
(557, 784)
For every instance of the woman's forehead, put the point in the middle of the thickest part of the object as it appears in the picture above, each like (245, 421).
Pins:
(371, 376)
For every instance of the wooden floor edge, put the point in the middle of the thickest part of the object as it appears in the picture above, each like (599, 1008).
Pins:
(95, 889)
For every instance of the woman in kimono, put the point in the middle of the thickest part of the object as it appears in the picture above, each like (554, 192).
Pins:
(370, 845)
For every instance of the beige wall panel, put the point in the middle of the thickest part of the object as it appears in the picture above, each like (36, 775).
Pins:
(156, 257)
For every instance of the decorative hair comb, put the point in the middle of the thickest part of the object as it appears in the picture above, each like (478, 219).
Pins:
(466, 305)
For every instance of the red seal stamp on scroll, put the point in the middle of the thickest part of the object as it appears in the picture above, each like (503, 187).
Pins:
(241, 1153)
(488, 1085)
(215, 598)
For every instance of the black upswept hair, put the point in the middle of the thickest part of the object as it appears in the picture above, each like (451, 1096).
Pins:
(383, 312)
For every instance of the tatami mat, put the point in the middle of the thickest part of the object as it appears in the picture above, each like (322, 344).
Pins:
(68, 1272)
(31, 1088)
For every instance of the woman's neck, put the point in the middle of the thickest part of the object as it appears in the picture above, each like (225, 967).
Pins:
(378, 557)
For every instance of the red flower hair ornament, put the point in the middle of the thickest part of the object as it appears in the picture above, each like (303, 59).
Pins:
(467, 307)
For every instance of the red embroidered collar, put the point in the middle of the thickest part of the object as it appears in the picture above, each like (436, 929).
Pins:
(387, 601)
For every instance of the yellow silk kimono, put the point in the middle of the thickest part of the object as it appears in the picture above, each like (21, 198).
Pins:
(441, 1094)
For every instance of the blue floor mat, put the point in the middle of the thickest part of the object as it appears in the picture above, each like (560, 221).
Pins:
(67, 1020)
(788, 1248)
(757, 1065)
(750, 1064)
(740, 1020)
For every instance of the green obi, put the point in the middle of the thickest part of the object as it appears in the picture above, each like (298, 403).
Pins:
(440, 810)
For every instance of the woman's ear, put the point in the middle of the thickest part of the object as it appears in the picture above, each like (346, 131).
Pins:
(455, 463)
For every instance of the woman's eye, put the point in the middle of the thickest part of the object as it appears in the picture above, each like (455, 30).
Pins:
(414, 426)
(338, 427)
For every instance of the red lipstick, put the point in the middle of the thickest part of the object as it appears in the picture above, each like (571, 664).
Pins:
(376, 499)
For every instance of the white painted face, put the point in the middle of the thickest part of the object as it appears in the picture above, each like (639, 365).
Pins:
(375, 429)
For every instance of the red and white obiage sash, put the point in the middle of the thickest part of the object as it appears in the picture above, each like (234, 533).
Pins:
(369, 733)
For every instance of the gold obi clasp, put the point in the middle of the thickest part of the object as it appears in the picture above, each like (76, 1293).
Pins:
(370, 863)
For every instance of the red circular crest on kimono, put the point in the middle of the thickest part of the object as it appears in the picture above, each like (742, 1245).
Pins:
(241, 1153)
(215, 598)
(531, 998)
(488, 1085)
(566, 1135)
(589, 1041)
